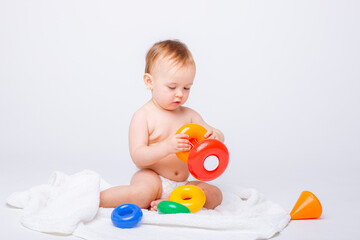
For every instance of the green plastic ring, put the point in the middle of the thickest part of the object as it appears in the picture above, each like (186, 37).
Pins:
(169, 207)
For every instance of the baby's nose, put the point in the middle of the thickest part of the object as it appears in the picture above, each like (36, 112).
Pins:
(179, 94)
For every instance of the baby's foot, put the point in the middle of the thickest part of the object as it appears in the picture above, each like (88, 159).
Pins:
(154, 204)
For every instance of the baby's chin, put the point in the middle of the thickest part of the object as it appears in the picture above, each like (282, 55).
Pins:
(171, 107)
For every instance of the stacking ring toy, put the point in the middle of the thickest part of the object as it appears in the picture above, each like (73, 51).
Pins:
(203, 150)
(190, 196)
(126, 216)
(169, 207)
(196, 134)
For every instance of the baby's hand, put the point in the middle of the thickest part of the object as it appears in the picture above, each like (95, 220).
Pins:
(211, 134)
(179, 143)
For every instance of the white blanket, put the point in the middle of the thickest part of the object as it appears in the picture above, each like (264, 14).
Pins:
(69, 205)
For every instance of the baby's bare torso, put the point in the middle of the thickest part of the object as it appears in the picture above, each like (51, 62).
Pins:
(161, 125)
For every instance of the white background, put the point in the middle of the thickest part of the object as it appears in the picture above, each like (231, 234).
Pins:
(281, 79)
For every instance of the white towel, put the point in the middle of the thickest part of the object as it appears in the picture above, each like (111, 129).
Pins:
(69, 205)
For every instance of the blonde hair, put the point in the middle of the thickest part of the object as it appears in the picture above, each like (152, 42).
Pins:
(175, 50)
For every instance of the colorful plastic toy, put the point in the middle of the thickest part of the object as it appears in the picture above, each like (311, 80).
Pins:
(307, 206)
(126, 216)
(201, 149)
(169, 207)
(196, 134)
(190, 196)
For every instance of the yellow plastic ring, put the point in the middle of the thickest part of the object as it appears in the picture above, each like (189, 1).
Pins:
(190, 196)
(196, 134)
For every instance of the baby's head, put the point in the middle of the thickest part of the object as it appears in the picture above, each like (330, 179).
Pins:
(173, 51)
(169, 73)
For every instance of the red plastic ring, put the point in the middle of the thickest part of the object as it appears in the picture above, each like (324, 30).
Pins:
(203, 150)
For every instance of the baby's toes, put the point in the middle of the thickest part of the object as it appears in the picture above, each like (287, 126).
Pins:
(153, 206)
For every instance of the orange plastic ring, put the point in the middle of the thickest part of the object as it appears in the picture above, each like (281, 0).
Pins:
(196, 134)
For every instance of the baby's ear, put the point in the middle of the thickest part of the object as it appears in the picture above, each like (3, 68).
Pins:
(148, 81)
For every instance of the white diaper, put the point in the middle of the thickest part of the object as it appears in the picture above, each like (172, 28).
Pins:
(168, 186)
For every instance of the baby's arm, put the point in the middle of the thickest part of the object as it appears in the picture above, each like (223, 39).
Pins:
(211, 132)
(145, 155)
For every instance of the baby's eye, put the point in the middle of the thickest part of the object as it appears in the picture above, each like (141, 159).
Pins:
(171, 87)
(186, 88)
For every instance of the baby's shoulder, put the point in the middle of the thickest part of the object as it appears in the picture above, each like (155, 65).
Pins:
(190, 112)
(141, 113)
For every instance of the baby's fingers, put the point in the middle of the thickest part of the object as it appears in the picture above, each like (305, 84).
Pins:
(209, 134)
(182, 140)
(181, 135)
(183, 147)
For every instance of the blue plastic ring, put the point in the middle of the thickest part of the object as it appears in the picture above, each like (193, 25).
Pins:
(126, 216)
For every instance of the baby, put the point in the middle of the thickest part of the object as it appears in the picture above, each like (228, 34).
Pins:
(169, 75)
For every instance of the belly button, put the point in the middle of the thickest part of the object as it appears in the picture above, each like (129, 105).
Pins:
(176, 173)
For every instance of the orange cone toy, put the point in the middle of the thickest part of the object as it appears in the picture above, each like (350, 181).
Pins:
(307, 206)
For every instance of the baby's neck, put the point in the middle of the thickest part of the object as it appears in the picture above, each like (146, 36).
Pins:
(157, 106)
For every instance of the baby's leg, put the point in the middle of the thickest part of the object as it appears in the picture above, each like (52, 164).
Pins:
(213, 194)
(145, 187)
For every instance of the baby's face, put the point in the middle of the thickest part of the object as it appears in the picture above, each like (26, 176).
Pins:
(171, 84)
